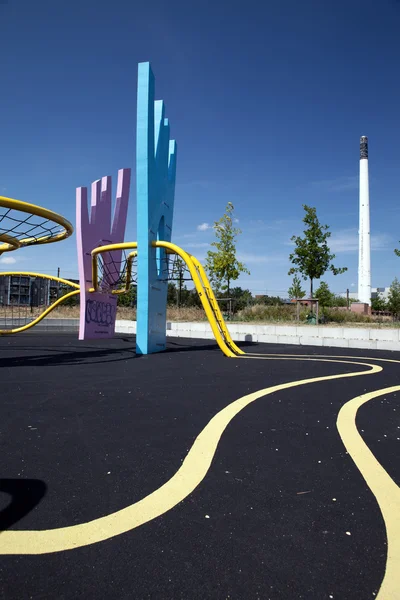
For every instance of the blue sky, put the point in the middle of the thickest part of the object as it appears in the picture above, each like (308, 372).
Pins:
(267, 101)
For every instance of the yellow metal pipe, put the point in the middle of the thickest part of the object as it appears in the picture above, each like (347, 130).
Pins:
(42, 275)
(40, 317)
(10, 243)
(214, 304)
(200, 290)
(38, 211)
(213, 314)
(129, 262)
(100, 250)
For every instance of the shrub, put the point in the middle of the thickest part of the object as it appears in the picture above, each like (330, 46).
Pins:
(261, 312)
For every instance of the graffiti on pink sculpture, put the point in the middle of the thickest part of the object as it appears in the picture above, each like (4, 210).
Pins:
(98, 309)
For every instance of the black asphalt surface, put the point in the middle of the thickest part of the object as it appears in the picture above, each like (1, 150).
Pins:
(87, 428)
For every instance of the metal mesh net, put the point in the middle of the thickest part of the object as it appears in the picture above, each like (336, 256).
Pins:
(24, 297)
(113, 270)
(27, 228)
(118, 271)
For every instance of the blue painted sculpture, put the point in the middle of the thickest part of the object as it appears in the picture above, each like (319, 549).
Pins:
(155, 179)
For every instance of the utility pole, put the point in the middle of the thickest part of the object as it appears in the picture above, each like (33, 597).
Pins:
(348, 298)
(58, 283)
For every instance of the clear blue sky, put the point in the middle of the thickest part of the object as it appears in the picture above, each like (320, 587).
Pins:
(267, 101)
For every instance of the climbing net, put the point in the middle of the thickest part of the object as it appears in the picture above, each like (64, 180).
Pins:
(23, 224)
(117, 270)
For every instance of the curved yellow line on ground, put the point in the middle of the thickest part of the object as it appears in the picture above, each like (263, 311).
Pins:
(192, 471)
(318, 356)
(386, 492)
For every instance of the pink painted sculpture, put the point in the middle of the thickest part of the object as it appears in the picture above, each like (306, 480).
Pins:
(98, 309)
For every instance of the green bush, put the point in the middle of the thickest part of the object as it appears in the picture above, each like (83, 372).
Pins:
(345, 316)
(262, 312)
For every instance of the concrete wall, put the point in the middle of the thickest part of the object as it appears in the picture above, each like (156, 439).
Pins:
(304, 335)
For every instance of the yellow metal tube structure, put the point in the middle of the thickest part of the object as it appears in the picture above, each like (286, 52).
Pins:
(129, 262)
(38, 211)
(100, 250)
(42, 316)
(8, 242)
(215, 306)
(200, 290)
(42, 275)
(218, 331)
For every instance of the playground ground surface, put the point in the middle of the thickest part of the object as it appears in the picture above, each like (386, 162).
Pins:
(114, 494)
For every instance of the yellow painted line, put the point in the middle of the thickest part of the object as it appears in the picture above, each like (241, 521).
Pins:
(192, 471)
(256, 355)
(385, 490)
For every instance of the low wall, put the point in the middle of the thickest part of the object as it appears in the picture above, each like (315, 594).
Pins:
(44, 325)
(304, 335)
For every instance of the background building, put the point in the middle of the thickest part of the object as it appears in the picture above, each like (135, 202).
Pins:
(22, 290)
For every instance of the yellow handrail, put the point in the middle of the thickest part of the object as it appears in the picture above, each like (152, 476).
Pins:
(215, 306)
(200, 290)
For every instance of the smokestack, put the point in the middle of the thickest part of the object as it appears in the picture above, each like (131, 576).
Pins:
(364, 256)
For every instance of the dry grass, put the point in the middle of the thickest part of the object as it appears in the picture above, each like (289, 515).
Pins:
(259, 314)
(72, 312)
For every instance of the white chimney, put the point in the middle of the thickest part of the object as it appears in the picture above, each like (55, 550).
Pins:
(364, 255)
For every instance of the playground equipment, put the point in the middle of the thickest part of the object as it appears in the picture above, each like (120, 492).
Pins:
(105, 270)
(196, 270)
(23, 224)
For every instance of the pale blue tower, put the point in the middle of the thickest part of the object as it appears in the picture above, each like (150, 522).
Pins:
(155, 180)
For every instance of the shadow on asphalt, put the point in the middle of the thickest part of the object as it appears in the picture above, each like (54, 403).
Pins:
(91, 355)
(25, 495)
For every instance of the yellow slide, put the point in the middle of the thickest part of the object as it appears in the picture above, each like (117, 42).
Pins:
(208, 300)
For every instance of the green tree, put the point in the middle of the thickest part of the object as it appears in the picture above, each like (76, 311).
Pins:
(172, 294)
(378, 303)
(339, 301)
(324, 295)
(296, 291)
(397, 252)
(393, 303)
(241, 298)
(222, 264)
(128, 299)
(73, 301)
(312, 256)
(270, 300)
(178, 273)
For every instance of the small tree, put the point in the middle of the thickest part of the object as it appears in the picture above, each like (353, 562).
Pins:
(128, 299)
(73, 301)
(393, 303)
(296, 291)
(222, 264)
(397, 252)
(378, 303)
(324, 295)
(241, 298)
(312, 256)
(178, 272)
(270, 301)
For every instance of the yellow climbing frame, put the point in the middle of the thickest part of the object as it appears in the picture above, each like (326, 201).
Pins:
(48, 309)
(200, 280)
(12, 243)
